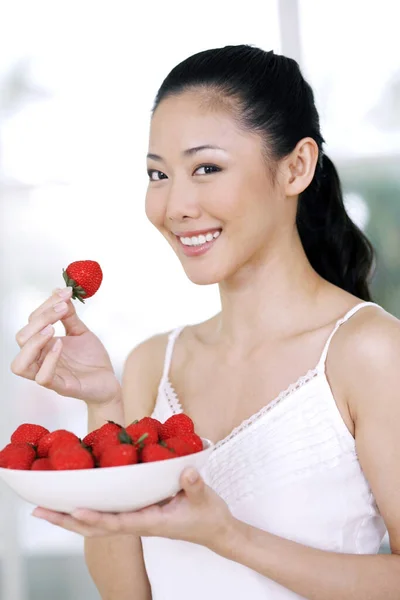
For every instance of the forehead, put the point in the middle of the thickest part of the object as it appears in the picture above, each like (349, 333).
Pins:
(191, 118)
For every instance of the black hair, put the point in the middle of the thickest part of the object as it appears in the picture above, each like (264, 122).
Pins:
(275, 101)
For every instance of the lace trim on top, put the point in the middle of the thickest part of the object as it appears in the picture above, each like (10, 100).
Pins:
(176, 406)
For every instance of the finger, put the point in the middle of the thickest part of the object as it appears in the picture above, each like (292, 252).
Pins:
(193, 486)
(67, 522)
(108, 521)
(46, 375)
(57, 295)
(140, 522)
(27, 362)
(72, 323)
(48, 317)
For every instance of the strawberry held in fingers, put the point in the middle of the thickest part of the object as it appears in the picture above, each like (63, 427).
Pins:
(85, 277)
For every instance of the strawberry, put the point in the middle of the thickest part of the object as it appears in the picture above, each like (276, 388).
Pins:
(154, 452)
(29, 433)
(71, 457)
(176, 425)
(193, 440)
(85, 277)
(117, 456)
(17, 456)
(143, 432)
(150, 421)
(108, 435)
(46, 442)
(90, 438)
(179, 446)
(41, 464)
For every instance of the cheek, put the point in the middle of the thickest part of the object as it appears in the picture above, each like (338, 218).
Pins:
(154, 209)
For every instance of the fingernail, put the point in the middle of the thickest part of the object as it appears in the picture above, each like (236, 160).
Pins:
(65, 292)
(60, 307)
(193, 477)
(47, 330)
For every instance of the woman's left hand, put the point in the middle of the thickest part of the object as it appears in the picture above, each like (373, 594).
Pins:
(196, 514)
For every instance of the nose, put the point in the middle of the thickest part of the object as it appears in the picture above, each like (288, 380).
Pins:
(182, 204)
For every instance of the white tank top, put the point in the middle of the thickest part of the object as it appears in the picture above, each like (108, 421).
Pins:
(292, 470)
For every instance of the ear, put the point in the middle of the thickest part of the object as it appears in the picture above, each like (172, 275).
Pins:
(300, 167)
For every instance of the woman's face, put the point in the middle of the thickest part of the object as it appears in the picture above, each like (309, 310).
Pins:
(217, 207)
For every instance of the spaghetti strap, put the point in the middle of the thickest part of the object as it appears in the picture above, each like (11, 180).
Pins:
(321, 364)
(168, 353)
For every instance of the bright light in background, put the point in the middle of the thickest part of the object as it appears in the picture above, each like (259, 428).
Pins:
(351, 53)
(358, 209)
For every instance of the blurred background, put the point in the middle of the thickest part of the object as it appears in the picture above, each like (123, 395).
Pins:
(77, 82)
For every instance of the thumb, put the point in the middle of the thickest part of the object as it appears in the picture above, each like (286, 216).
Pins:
(72, 323)
(193, 486)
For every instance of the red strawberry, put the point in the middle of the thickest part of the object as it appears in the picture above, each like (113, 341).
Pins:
(46, 442)
(29, 433)
(179, 446)
(176, 425)
(154, 452)
(90, 438)
(85, 277)
(17, 456)
(63, 443)
(108, 435)
(150, 421)
(41, 464)
(71, 457)
(116, 456)
(146, 432)
(193, 440)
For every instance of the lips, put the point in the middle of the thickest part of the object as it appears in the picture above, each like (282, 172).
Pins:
(199, 249)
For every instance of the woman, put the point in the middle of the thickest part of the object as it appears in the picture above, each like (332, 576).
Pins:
(302, 484)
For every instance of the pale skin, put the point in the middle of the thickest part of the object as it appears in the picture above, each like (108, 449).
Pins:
(276, 314)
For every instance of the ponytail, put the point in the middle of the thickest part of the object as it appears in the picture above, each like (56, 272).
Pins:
(336, 248)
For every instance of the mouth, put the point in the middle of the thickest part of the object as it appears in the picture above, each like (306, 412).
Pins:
(197, 245)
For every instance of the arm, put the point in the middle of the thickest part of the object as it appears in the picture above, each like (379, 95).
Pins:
(372, 386)
(116, 563)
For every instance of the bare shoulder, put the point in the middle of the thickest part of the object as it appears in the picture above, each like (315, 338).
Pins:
(364, 356)
(141, 375)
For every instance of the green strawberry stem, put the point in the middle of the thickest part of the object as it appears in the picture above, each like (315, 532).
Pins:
(142, 438)
(77, 290)
(124, 437)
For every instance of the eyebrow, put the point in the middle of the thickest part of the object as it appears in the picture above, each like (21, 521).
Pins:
(189, 151)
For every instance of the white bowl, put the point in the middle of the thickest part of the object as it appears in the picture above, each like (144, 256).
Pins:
(108, 489)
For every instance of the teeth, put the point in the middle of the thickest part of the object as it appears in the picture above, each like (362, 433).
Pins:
(198, 240)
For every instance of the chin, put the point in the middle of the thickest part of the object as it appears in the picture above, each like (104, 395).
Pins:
(203, 276)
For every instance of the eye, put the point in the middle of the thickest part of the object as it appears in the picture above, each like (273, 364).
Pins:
(160, 175)
(209, 169)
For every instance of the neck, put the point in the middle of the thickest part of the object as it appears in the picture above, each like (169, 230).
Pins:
(266, 299)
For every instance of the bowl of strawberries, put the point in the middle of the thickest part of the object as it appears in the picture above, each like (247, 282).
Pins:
(112, 469)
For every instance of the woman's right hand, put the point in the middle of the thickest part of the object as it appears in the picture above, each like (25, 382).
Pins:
(80, 366)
